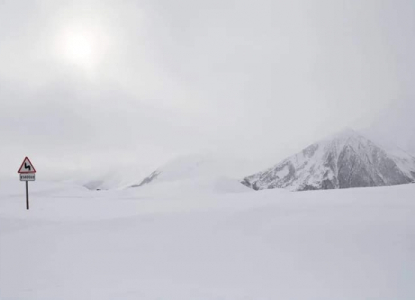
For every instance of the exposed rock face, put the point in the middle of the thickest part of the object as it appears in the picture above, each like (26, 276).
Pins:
(344, 161)
(148, 179)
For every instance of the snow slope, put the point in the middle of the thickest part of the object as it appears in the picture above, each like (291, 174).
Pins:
(404, 161)
(115, 177)
(141, 244)
(344, 160)
(198, 172)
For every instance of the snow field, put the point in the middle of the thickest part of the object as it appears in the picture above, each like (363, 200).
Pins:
(222, 243)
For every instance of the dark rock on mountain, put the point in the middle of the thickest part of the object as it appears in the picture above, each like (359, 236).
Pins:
(344, 161)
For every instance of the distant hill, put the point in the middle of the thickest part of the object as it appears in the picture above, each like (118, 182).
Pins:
(197, 172)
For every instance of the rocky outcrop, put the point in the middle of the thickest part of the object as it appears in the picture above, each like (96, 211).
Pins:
(345, 160)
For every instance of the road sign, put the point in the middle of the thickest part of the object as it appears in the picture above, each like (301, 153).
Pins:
(27, 173)
(28, 177)
(26, 167)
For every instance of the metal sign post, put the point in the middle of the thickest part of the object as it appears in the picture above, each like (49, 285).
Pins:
(27, 173)
(27, 195)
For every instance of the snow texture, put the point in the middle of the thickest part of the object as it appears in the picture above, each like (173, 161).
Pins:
(343, 161)
(165, 241)
(197, 167)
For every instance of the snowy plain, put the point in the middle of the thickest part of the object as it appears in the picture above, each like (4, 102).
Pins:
(206, 239)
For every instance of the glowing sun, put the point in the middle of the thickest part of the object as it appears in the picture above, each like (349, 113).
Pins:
(79, 48)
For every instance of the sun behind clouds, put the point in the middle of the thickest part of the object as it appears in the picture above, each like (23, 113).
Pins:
(82, 46)
(79, 47)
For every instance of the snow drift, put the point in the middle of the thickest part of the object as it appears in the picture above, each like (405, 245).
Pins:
(80, 244)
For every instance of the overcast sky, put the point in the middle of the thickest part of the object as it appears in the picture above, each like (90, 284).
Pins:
(86, 84)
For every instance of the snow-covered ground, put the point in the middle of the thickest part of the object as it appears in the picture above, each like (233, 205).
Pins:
(196, 239)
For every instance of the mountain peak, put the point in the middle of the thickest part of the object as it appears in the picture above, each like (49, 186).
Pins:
(345, 159)
(345, 134)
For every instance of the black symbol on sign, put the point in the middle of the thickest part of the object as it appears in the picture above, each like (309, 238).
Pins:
(26, 166)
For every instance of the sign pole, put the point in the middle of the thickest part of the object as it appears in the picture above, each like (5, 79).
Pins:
(27, 173)
(27, 195)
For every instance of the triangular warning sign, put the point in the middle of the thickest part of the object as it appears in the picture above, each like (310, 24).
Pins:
(26, 167)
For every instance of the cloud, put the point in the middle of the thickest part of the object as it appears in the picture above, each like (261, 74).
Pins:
(167, 78)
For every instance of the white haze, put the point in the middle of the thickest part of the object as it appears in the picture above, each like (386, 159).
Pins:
(252, 80)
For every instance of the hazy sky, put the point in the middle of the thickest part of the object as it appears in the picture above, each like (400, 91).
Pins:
(97, 84)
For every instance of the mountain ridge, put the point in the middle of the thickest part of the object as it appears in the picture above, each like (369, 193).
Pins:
(346, 159)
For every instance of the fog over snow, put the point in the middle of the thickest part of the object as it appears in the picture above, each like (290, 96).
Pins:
(87, 87)
(143, 117)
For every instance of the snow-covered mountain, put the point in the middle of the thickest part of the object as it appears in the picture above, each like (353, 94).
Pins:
(182, 168)
(117, 177)
(198, 172)
(345, 160)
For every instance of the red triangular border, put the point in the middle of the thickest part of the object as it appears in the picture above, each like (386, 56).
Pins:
(34, 170)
